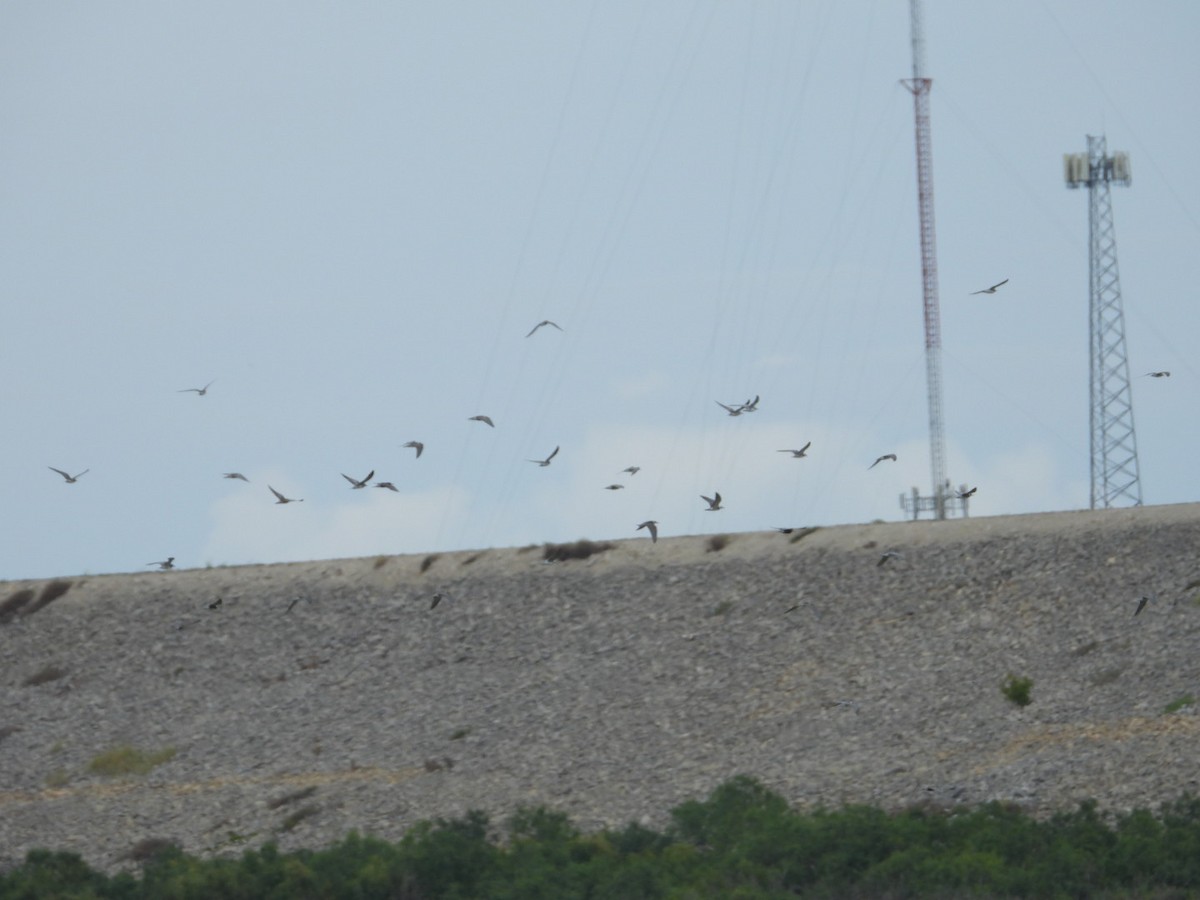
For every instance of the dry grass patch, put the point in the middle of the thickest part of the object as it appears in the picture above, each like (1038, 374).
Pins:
(126, 760)
(717, 543)
(580, 549)
(50, 593)
(44, 675)
(12, 605)
(302, 794)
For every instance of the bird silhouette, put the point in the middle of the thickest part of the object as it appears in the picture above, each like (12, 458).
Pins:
(888, 556)
(199, 392)
(71, 479)
(614, 487)
(632, 470)
(168, 563)
(355, 483)
(486, 420)
(1158, 374)
(799, 454)
(652, 526)
(238, 475)
(992, 289)
(714, 502)
(416, 445)
(540, 324)
(387, 485)
(732, 410)
(963, 495)
(751, 405)
(546, 461)
(216, 604)
(437, 598)
(1142, 603)
(282, 499)
(891, 456)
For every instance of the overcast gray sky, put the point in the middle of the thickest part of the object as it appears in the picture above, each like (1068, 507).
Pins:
(347, 216)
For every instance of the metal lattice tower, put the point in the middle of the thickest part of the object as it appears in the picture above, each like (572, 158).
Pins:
(919, 86)
(1114, 464)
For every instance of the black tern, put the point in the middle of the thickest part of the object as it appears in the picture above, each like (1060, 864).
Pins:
(387, 485)
(633, 470)
(732, 410)
(540, 324)
(282, 499)
(891, 456)
(355, 483)
(486, 420)
(992, 289)
(1158, 374)
(799, 454)
(652, 526)
(71, 479)
(614, 487)
(238, 475)
(199, 392)
(963, 495)
(546, 461)
(714, 502)
(751, 405)
(168, 563)
(416, 445)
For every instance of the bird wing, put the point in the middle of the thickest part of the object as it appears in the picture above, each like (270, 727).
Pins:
(347, 477)
(370, 475)
(60, 472)
(279, 495)
(805, 447)
(718, 498)
(999, 284)
(555, 324)
(552, 455)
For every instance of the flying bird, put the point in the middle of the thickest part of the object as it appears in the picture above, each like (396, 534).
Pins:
(199, 392)
(633, 470)
(238, 475)
(168, 563)
(1158, 374)
(783, 530)
(714, 502)
(963, 495)
(216, 604)
(1142, 603)
(888, 555)
(652, 526)
(751, 405)
(732, 410)
(71, 479)
(484, 419)
(992, 289)
(546, 461)
(540, 324)
(387, 485)
(355, 483)
(416, 445)
(437, 598)
(799, 454)
(615, 487)
(282, 499)
(891, 456)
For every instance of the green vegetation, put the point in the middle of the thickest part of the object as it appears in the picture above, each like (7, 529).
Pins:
(743, 842)
(1017, 689)
(126, 760)
(1179, 703)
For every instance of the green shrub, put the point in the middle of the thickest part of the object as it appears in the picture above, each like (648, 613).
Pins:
(1179, 703)
(1017, 690)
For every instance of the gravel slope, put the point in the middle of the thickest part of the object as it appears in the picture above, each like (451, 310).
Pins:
(612, 688)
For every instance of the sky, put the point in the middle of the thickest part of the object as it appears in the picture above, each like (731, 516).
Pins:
(348, 216)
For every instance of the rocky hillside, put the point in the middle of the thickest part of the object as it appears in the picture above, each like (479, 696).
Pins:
(295, 702)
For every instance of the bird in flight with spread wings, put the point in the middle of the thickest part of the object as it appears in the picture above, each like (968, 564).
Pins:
(71, 479)
(799, 454)
(891, 456)
(650, 525)
(541, 324)
(355, 483)
(992, 289)
(199, 392)
(279, 498)
(546, 461)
